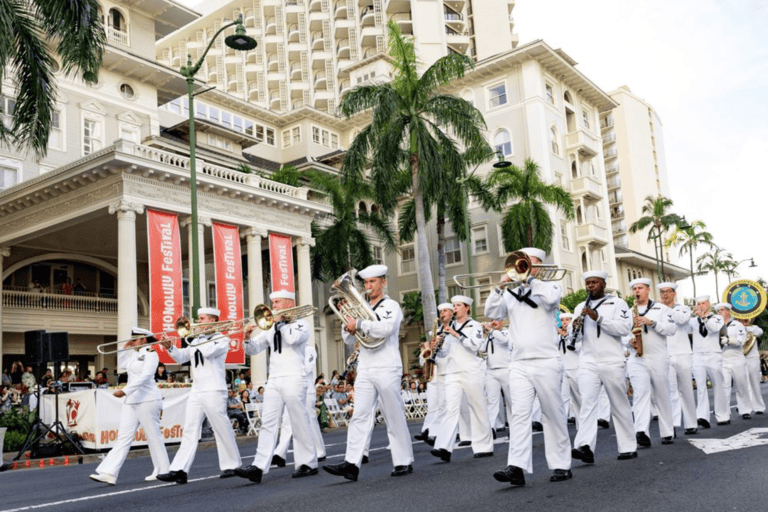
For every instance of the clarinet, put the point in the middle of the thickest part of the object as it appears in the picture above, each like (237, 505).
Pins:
(578, 324)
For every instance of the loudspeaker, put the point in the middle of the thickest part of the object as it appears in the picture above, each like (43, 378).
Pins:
(59, 343)
(36, 347)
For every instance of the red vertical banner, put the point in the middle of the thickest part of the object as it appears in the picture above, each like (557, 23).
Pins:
(165, 290)
(229, 284)
(281, 262)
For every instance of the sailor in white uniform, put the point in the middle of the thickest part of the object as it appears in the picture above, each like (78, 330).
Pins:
(708, 362)
(732, 337)
(754, 375)
(207, 398)
(142, 407)
(445, 312)
(499, 352)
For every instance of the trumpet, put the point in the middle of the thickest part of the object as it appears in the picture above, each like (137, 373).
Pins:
(517, 267)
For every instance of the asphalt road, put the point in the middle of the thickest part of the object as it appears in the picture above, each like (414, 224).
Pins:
(678, 477)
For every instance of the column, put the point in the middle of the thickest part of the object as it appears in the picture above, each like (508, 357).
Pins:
(203, 285)
(253, 237)
(305, 278)
(4, 253)
(127, 285)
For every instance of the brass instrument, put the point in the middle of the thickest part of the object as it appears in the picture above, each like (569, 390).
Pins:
(346, 300)
(517, 267)
(748, 299)
(102, 349)
(749, 343)
(264, 316)
(426, 355)
(637, 333)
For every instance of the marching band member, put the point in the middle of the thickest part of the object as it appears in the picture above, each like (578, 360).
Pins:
(463, 337)
(497, 347)
(143, 405)
(680, 361)
(207, 398)
(753, 369)
(286, 386)
(445, 312)
(648, 369)
(379, 372)
(732, 337)
(536, 369)
(606, 319)
(286, 429)
(570, 366)
(708, 361)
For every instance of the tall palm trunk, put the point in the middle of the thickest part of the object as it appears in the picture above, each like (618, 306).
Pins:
(661, 254)
(693, 281)
(426, 285)
(442, 290)
(717, 288)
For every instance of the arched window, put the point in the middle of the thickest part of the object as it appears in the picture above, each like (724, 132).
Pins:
(579, 216)
(574, 170)
(629, 275)
(116, 20)
(362, 207)
(374, 208)
(553, 139)
(502, 142)
(567, 97)
(584, 265)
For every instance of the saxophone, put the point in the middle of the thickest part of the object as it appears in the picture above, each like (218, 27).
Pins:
(578, 324)
(426, 354)
(637, 333)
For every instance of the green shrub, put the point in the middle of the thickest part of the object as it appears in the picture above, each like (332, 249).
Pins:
(14, 440)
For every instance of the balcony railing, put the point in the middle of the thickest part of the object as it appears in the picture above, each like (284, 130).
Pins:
(58, 302)
(453, 17)
(606, 123)
(117, 36)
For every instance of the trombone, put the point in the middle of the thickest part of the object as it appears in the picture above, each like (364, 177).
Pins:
(517, 266)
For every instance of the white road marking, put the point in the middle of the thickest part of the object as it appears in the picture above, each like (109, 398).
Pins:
(746, 439)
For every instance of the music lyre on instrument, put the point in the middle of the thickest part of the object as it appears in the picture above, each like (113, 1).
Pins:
(517, 266)
(748, 300)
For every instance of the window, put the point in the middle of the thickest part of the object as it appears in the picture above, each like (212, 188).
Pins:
(497, 95)
(316, 135)
(503, 143)
(8, 177)
(550, 94)
(480, 240)
(296, 134)
(486, 290)
(452, 251)
(407, 260)
(248, 127)
(56, 136)
(214, 114)
(568, 282)
(334, 141)
(7, 106)
(131, 133)
(325, 138)
(260, 133)
(378, 255)
(499, 235)
(226, 119)
(585, 114)
(564, 236)
(286, 138)
(270, 136)
(238, 123)
(553, 141)
(92, 136)
(127, 91)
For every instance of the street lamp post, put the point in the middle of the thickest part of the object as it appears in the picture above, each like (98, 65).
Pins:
(467, 228)
(238, 41)
(732, 270)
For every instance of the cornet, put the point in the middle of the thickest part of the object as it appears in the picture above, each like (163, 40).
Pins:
(517, 267)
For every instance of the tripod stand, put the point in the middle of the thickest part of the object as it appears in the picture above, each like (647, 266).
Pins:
(39, 429)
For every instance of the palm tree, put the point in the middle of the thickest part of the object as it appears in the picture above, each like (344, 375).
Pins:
(715, 261)
(688, 239)
(414, 125)
(27, 28)
(340, 243)
(657, 218)
(527, 223)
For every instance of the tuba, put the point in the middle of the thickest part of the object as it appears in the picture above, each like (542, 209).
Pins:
(750, 342)
(346, 300)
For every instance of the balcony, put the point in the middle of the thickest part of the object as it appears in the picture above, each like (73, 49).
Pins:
(341, 11)
(293, 34)
(315, 5)
(272, 63)
(591, 233)
(612, 169)
(611, 153)
(253, 92)
(367, 18)
(617, 213)
(342, 49)
(317, 41)
(295, 71)
(115, 35)
(270, 27)
(606, 122)
(404, 21)
(587, 187)
(320, 80)
(274, 101)
(614, 183)
(583, 142)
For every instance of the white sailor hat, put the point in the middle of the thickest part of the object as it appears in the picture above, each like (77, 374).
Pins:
(566, 315)
(373, 271)
(282, 294)
(533, 252)
(640, 280)
(462, 298)
(209, 311)
(595, 273)
(444, 305)
(701, 298)
(138, 331)
(667, 285)
(721, 305)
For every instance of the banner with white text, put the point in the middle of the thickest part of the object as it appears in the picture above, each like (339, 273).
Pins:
(281, 262)
(165, 290)
(229, 284)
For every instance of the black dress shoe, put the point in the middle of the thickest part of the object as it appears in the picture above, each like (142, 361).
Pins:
(703, 423)
(365, 459)
(345, 469)
(511, 474)
(278, 461)
(537, 426)
(726, 422)
(746, 416)
(627, 455)
(321, 459)
(180, 477)
(442, 454)
(227, 473)
(603, 424)
(667, 440)
(759, 412)
(431, 441)
(422, 436)
(402, 470)
(560, 475)
(465, 443)
(252, 473)
(493, 432)
(691, 431)
(483, 455)
(643, 439)
(585, 454)
(655, 418)
(304, 470)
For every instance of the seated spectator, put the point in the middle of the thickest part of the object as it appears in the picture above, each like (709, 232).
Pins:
(236, 410)
(406, 394)
(251, 392)
(79, 287)
(17, 370)
(161, 375)
(171, 379)
(335, 378)
(341, 398)
(6, 377)
(240, 382)
(320, 408)
(260, 395)
(422, 387)
(245, 398)
(28, 398)
(28, 378)
(8, 397)
(101, 381)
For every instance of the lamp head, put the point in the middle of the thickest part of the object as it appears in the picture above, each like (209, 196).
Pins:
(240, 40)
(501, 164)
(752, 263)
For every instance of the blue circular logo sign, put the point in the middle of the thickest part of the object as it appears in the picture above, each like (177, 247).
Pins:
(746, 297)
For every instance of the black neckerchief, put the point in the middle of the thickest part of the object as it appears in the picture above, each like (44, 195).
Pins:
(587, 305)
(377, 305)
(648, 308)
(489, 345)
(199, 359)
(460, 329)
(562, 344)
(702, 328)
(278, 338)
(524, 297)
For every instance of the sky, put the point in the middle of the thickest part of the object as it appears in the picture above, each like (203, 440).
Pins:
(703, 66)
